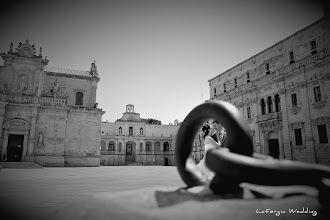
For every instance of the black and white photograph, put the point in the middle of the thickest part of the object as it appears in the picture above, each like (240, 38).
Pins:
(164, 109)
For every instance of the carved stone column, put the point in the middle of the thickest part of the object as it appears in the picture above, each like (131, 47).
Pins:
(162, 147)
(25, 143)
(5, 142)
(2, 114)
(107, 145)
(94, 88)
(30, 149)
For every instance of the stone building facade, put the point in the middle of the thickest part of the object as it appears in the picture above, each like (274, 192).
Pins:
(134, 140)
(48, 115)
(284, 94)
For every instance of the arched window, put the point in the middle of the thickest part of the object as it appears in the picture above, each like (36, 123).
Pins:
(103, 144)
(111, 146)
(141, 147)
(120, 130)
(119, 147)
(141, 131)
(166, 146)
(263, 106)
(79, 98)
(270, 104)
(148, 146)
(277, 103)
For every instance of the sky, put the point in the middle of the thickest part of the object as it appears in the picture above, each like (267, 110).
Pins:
(158, 54)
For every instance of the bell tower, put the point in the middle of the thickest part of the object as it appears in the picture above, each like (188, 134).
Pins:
(130, 108)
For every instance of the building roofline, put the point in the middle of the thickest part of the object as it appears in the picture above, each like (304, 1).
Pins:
(274, 45)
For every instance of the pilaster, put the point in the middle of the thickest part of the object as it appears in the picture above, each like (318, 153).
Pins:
(31, 143)
(2, 115)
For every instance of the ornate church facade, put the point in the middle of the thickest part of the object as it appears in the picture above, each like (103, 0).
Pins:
(284, 92)
(48, 115)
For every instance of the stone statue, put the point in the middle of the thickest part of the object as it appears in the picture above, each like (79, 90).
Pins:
(55, 89)
(40, 138)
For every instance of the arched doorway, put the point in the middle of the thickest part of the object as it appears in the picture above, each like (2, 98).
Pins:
(166, 161)
(15, 141)
(273, 145)
(130, 151)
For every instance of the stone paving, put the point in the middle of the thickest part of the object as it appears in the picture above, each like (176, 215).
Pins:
(37, 192)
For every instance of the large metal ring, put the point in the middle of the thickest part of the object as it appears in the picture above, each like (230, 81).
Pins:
(237, 164)
(230, 118)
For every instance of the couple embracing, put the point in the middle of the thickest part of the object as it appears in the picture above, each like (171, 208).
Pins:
(214, 137)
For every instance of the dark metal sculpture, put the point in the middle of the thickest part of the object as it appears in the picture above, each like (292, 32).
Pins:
(237, 163)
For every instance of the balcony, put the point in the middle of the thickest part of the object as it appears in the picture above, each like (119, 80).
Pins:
(26, 99)
(51, 101)
(270, 116)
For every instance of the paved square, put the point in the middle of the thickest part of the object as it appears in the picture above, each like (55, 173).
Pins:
(38, 192)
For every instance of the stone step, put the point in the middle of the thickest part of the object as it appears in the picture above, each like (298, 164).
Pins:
(20, 165)
(131, 164)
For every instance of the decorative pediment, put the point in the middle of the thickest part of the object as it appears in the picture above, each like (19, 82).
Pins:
(26, 50)
(17, 124)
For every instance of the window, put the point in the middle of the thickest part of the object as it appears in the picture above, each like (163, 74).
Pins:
(313, 47)
(79, 98)
(270, 104)
(215, 91)
(248, 112)
(235, 82)
(298, 137)
(277, 103)
(103, 144)
(323, 136)
(224, 87)
(130, 131)
(166, 146)
(119, 147)
(148, 146)
(294, 100)
(120, 130)
(111, 146)
(317, 93)
(248, 77)
(267, 68)
(291, 57)
(141, 131)
(263, 106)
(141, 147)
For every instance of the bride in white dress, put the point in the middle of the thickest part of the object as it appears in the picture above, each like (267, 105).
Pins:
(209, 143)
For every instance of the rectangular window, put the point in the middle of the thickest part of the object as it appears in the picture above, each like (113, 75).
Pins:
(215, 91)
(248, 77)
(323, 136)
(313, 47)
(235, 81)
(317, 93)
(224, 87)
(297, 133)
(267, 68)
(248, 112)
(294, 100)
(130, 131)
(291, 56)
